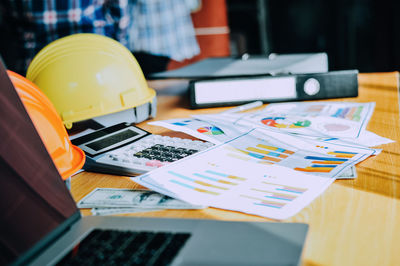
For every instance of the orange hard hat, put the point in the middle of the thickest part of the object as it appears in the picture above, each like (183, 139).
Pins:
(68, 158)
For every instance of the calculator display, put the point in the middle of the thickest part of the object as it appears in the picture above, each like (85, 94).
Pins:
(111, 140)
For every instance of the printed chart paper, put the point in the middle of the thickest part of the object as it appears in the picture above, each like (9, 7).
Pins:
(311, 126)
(206, 130)
(328, 120)
(312, 155)
(359, 112)
(225, 178)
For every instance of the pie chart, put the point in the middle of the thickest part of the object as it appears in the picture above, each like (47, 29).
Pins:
(336, 127)
(210, 130)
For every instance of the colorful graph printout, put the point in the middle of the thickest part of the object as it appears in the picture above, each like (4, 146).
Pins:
(305, 155)
(202, 129)
(232, 130)
(347, 110)
(274, 147)
(323, 126)
(358, 112)
(212, 178)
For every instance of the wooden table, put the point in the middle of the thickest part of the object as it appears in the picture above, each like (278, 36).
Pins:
(355, 222)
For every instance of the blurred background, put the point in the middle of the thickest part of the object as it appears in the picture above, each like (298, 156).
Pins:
(361, 34)
(356, 34)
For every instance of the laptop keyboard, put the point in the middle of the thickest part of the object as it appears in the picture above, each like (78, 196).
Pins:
(112, 247)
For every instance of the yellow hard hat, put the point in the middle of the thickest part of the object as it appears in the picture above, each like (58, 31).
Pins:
(89, 75)
(68, 158)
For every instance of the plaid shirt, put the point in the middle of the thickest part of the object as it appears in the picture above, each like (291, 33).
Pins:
(162, 27)
(29, 25)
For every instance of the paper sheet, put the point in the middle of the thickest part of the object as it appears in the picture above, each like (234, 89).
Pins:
(311, 126)
(300, 153)
(333, 121)
(213, 132)
(270, 163)
(215, 178)
(219, 132)
(359, 112)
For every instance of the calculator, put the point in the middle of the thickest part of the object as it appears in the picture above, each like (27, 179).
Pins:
(124, 149)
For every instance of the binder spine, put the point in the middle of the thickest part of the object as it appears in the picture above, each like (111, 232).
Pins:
(334, 84)
(234, 91)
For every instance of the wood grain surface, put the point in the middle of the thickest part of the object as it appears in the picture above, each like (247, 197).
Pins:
(355, 222)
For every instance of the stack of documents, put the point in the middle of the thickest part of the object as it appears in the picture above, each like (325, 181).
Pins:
(329, 121)
(107, 201)
(270, 163)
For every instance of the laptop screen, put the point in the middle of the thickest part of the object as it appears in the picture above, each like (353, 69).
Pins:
(33, 198)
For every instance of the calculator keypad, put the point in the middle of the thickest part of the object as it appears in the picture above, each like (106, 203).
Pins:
(164, 153)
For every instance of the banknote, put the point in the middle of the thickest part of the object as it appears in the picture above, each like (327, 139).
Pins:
(349, 173)
(113, 211)
(113, 197)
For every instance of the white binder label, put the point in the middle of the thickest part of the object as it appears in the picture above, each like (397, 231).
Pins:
(219, 91)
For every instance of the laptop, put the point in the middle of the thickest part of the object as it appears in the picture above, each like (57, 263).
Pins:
(41, 225)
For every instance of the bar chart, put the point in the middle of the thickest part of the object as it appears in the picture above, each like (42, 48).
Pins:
(350, 113)
(213, 178)
(203, 181)
(266, 153)
(313, 157)
(273, 195)
(321, 164)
